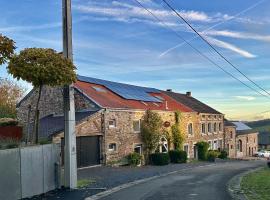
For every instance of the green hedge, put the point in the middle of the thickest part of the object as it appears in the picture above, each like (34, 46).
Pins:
(212, 155)
(159, 158)
(223, 155)
(178, 156)
(134, 159)
(202, 150)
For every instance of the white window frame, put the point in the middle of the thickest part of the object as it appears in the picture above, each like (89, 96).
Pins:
(203, 132)
(136, 131)
(112, 149)
(112, 125)
(163, 144)
(186, 145)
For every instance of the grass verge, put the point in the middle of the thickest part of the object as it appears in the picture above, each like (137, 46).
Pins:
(256, 185)
(82, 183)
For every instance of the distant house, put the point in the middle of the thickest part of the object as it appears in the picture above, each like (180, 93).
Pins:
(242, 141)
(264, 140)
(108, 119)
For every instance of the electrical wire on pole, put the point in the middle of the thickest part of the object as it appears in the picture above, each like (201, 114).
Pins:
(206, 41)
(198, 51)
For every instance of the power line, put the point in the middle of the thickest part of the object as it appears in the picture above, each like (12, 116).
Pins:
(198, 51)
(205, 40)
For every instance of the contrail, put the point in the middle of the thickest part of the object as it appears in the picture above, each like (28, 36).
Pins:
(211, 27)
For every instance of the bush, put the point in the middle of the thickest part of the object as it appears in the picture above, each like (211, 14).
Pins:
(12, 146)
(8, 122)
(134, 159)
(212, 155)
(268, 163)
(159, 158)
(202, 150)
(45, 141)
(223, 155)
(178, 156)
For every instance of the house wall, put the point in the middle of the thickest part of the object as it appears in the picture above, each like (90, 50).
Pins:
(230, 146)
(51, 102)
(249, 144)
(125, 138)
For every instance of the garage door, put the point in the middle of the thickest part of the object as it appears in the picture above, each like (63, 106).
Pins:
(88, 151)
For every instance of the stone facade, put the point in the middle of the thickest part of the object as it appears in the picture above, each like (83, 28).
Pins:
(230, 139)
(51, 102)
(247, 144)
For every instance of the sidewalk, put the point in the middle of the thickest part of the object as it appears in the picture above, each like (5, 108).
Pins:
(104, 178)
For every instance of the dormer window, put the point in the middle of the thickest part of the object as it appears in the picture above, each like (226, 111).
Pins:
(99, 89)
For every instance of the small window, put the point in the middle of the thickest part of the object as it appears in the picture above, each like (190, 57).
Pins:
(215, 127)
(137, 126)
(231, 134)
(112, 147)
(220, 127)
(210, 144)
(209, 128)
(190, 129)
(186, 148)
(203, 128)
(203, 116)
(99, 89)
(231, 146)
(138, 148)
(112, 123)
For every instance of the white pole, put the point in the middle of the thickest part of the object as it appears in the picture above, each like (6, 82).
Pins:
(70, 160)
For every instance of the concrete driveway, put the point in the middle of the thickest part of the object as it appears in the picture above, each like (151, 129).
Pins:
(208, 182)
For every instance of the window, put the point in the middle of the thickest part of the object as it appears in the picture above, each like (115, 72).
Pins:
(231, 134)
(163, 145)
(138, 148)
(209, 128)
(215, 145)
(137, 126)
(220, 144)
(210, 144)
(112, 147)
(239, 145)
(99, 89)
(215, 127)
(186, 148)
(231, 146)
(203, 128)
(219, 127)
(247, 139)
(190, 129)
(112, 123)
(203, 116)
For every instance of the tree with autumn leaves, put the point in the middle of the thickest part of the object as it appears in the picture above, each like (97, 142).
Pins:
(38, 66)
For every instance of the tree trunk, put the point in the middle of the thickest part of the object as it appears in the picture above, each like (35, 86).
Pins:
(36, 122)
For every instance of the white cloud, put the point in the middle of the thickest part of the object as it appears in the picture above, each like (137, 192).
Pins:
(247, 98)
(239, 35)
(229, 46)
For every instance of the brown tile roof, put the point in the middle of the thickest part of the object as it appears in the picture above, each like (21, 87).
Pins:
(108, 99)
(191, 102)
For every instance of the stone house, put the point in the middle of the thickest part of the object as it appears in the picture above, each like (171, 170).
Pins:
(241, 140)
(208, 123)
(108, 118)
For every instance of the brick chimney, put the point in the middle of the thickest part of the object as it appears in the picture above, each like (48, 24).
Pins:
(169, 90)
(188, 94)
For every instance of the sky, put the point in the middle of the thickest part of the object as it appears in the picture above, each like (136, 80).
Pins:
(120, 41)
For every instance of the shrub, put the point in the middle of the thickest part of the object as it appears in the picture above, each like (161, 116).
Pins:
(268, 163)
(202, 150)
(223, 155)
(178, 156)
(12, 146)
(134, 159)
(45, 141)
(8, 122)
(159, 158)
(212, 155)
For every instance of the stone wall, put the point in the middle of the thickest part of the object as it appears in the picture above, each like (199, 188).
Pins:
(51, 102)
(249, 144)
(230, 146)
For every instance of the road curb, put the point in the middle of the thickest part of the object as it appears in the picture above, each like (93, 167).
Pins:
(234, 185)
(127, 185)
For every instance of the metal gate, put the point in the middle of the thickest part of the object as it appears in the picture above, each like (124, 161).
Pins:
(88, 151)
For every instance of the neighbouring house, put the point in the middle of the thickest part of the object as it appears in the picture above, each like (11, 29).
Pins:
(108, 118)
(207, 123)
(242, 141)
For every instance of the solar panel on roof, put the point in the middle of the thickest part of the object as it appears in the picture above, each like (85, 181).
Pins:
(125, 90)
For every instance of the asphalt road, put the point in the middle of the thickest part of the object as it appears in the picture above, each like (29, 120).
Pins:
(202, 183)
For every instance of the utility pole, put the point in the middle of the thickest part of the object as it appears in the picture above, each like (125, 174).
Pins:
(70, 160)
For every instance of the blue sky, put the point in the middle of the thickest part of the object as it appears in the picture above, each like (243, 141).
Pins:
(119, 41)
